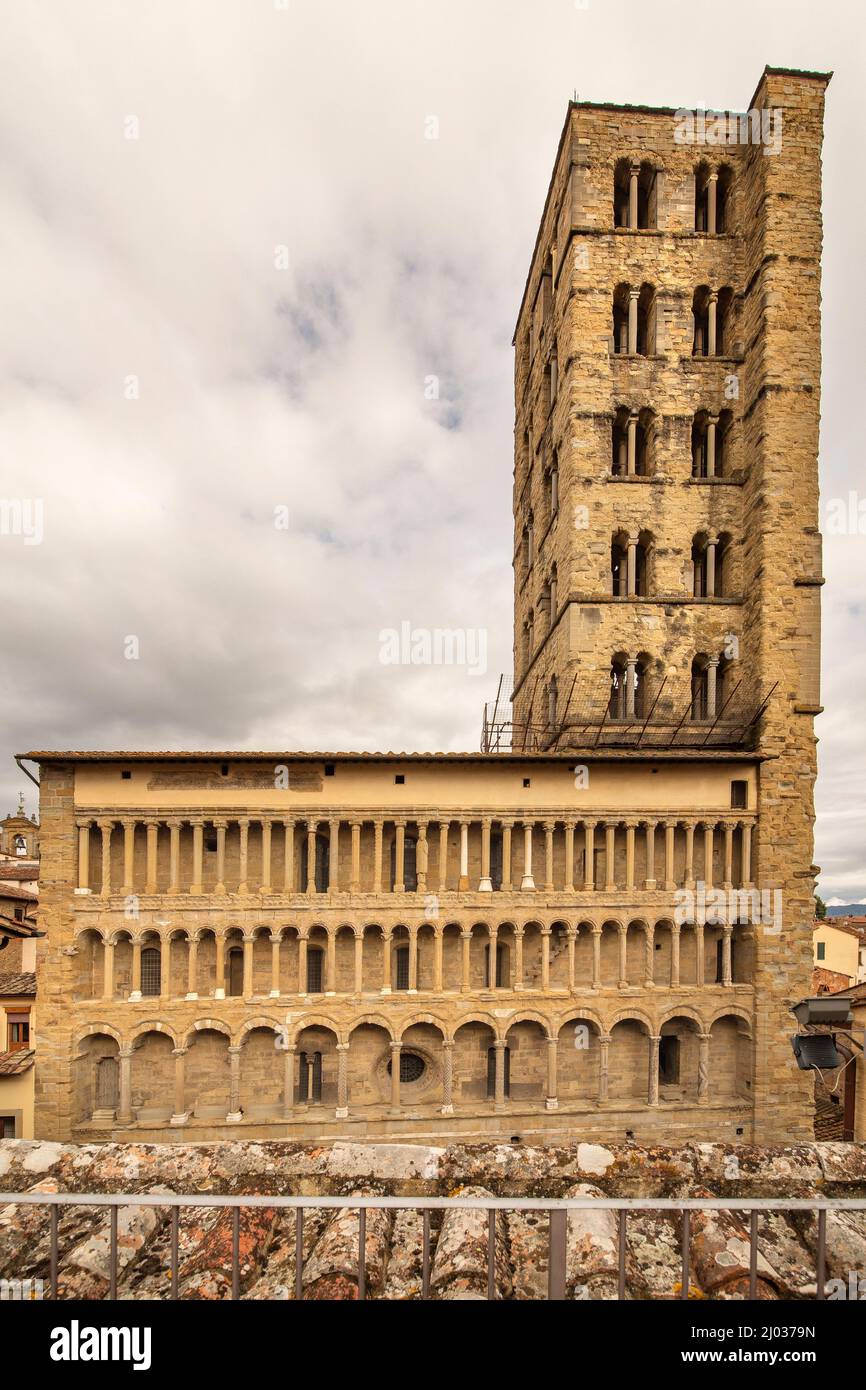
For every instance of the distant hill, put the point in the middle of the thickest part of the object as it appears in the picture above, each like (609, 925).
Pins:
(848, 910)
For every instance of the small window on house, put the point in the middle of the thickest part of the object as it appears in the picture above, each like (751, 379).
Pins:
(126, 774)
(19, 914)
(401, 967)
(399, 779)
(315, 961)
(669, 1060)
(17, 1030)
(224, 770)
(739, 795)
(150, 971)
(491, 1072)
(7, 1126)
(526, 782)
(329, 769)
(822, 950)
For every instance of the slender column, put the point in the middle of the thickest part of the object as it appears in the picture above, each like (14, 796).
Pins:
(355, 879)
(603, 1066)
(243, 854)
(486, 884)
(84, 854)
(631, 565)
(596, 956)
(108, 970)
(220, 828)
(518, 958)
(712, 421)
(499, 1074)
(135, 992)
(569, 856)
(712, 200)
(447, 1077)
(421, 857)
(266, 855)
(289, 857)
(288, 1083)
(395, 1076)
(492, 943)
(649, 954)
(610, 856)
(463, 884)
(359, 961)
(234, 1115)
(589, 857)
(632, 196)
(413, 960)
(675, 955)
(690, 854)
(124, 1109)
(572, 941)
(275, 964)
(342, 1112)
(466, 940)
(128, 857)
(708, 853)
(549, 828)
(622, 450)
(180, 1115)
(700, 970)
(438, 937)
(248, 943)
(378, 827)
(197, 854)
(220, 984)
(746, 854)
(399, 856)
(727, 972)
(528, 882)
(630, 669)
(653, 1095)
(629, 855)
(711, 566)
(551, 1101)
(650, 880)
(507, 826)
(623, 955)
(703, 1068)
(192, 965)
(331, 962)
(670, 881)
(443, 855)
(631, 469)
(333, 856)
(545, 959)
(302, 963)
(387, 939)
(712, 311)
(729, 857)
(106, 827)
(174, 856)
(633, 296)
(150, 872)
(311, 857)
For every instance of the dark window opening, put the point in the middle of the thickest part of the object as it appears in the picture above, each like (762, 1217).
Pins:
(235, 979)
(491, 1072)
(412, 1067)
(329, 769)
(401, 967)
(17, 1031)
(399, 778)
(739, 795)
(500, 967)
(150, 971)
(410, 872)
(126, 775)
(669, 1060)
(315, 963)
(224, 770)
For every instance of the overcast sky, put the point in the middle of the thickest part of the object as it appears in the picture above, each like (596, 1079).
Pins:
(172, 377)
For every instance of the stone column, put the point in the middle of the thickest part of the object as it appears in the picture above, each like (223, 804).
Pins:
(485, 884)
(421, 857)
(443, 855)
(447, 1077)
(174, 855)
(355, 879)
(266, 855)
(610, 856)
(180, 1115)
(288, 1083)
(302, 963)
(331, 961)
(712, 421)
(243, 854)
(708, 853)
(220, 984)
(649, 955)
(235, 1114)
(675, 955)
(650, 880)
(220, 828)
(386, 962)
(729, 857)
(623, 955)
(746, 854)
(690, 855)
(342, 1111)
(275, 964)
(135, 993)
(630, 669)
(499, 1075)
(463, 883)
(378, 827)
(572, 940)
(466, 939)
(569, 856)
(84, 854)
(192, 965)
(400, 856)
(248, 943)
(545, 959)
(518, 958)
(108, 970)
(359, 961)
(311, 857)
(150, 872)
(633, 296)
(634, 172)
(395, 1077)
(631, 565)
(589, 857)
(124, 1109)
(653, 1093)
(712, 201)
(604, 1041)
(670, 881)
(712, 311)
(596, 956)
(622, 451)
(413, 960)
(197, 854)
(106, 827)
(333, 856)
(703, 1068)
(128, 857)
(527, 883)
(727, 973)
(438, 935)
(549, 828)
(711, 566)
(700, 969)
(507, 827)
(551, 1101)
(629, 855)
(289, 857)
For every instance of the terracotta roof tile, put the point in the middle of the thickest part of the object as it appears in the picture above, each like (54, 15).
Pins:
(24, 983)
(14, 1063)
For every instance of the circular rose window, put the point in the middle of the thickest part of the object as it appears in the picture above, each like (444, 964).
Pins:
(412, 1067)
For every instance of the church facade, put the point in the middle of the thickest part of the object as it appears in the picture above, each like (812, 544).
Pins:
(596, 925)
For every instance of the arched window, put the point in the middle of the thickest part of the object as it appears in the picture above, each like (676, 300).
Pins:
(491, 1071)
(315, 970)
(20, 845)
(635, 195)
(235, 972)
(150, 970)
(310, 1078)
(711, 313)
(712, 193)
(629, 564)
(709, 565)
(322, 870)
(634, 320)
(628, 680)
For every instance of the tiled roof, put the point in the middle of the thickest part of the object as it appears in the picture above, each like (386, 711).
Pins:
(10, 926)
(284, 756)
(24, 983)
(22, 871)
(11, 890)
(14, 1063)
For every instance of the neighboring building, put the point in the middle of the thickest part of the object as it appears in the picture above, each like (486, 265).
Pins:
(601, 929)
(19, 836)
(836, 959)
(17, 1001)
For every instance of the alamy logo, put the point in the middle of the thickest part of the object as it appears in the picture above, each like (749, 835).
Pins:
(421, 646)
(734, 906)
(77, 1343)
(702, 127)
(21, 1290)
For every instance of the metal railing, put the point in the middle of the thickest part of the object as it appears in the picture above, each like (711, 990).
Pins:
(556, 1208)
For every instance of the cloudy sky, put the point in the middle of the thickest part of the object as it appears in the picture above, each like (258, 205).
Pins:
(233, 260)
